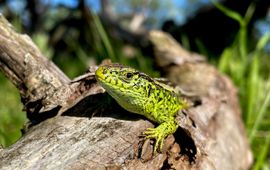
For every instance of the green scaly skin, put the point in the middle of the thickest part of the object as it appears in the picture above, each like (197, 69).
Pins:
(139, 93)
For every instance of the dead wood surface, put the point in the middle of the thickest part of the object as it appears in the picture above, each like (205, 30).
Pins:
(75, 125)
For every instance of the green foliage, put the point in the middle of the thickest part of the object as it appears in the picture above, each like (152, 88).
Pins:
(247, 71)
(41, 40)
(136, 59)
(104, 37)
(11, 116)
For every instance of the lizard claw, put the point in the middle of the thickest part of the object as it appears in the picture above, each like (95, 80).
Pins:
(158, 135)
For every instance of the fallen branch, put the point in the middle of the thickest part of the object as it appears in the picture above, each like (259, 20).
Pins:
(74, 127)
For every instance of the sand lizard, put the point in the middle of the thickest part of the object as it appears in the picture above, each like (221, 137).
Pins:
(139, 93)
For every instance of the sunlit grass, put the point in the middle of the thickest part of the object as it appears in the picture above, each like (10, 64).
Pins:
(246, 68)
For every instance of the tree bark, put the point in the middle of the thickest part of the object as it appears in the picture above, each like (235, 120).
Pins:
(76, 125)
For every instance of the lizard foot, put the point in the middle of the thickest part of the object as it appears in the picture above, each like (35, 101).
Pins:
(160, 133)
(157, 134)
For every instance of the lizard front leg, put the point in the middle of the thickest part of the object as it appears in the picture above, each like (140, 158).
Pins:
(160, 133)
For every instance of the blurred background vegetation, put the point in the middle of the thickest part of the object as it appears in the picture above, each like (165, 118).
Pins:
(74, 34)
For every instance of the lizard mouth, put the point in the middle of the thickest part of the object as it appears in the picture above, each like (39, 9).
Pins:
(103, 78)
(100, 74)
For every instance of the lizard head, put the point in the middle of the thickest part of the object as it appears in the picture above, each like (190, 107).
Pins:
(120, 78)
(125, 84)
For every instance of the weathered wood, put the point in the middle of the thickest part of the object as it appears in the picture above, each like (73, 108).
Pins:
(219, 131)
(35, 76)
(88, 130)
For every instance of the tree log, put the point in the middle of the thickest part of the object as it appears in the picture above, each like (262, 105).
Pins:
(76, 125)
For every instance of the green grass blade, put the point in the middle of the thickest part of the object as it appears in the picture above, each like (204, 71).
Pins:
(225, 60)
(252, 87)
(104, 37)
(250, 12)
(263, 42)
(261, 160)
(261, 114)
(232, 14)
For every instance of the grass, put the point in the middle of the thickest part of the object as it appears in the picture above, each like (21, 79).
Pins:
(107, 51)
(247, 70)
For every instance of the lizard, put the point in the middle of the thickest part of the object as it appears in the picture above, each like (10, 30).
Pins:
(138, 93)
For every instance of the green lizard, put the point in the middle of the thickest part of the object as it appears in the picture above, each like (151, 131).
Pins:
(139, 93)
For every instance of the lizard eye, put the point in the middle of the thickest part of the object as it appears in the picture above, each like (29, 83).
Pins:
(129, 75)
